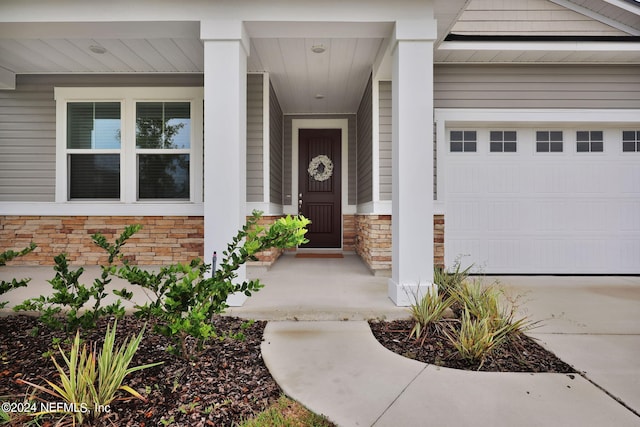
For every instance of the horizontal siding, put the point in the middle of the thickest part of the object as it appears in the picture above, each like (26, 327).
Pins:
(365, 147)
(27, 144)
(28, 128)
(527, 17)
(385, 115)
(531, 86)
(255, 138)
(275, 147)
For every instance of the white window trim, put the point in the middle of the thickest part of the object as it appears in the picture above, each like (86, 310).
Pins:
(128, 203)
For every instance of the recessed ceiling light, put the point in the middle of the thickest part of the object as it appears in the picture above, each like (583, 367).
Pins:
(318, 48)
(319, 96)
(97, 49)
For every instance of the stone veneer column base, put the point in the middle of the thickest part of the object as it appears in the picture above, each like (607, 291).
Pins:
(373, 242)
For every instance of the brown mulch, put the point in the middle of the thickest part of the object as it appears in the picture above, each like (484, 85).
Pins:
(519, 354)
(228, 383)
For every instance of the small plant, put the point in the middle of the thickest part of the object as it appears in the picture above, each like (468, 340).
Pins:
(14, 283)
(450, 280)
(183, 300)
(89, 380)
(476, 338)
(427, 312)
(67, 308)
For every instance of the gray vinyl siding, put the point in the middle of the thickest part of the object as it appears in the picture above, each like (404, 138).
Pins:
(287, 153)
(365, 147)
(385, 135)
(537, 86)
(255, 138)
(28, 128)
(27, 144)
(275, 147)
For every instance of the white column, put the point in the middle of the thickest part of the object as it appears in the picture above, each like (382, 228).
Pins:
(226, 47)
(412, 153)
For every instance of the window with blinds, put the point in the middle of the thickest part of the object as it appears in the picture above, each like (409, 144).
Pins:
(163, 141)
(93, 150)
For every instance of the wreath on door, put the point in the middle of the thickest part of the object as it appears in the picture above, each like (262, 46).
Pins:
(320, 168)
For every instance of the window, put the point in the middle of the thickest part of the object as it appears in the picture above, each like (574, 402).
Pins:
(631, 141)
(502, 141)
(129, 144)
(93, 150)
(163, 140)
(549, 141)
(589, 141)
(463, 141)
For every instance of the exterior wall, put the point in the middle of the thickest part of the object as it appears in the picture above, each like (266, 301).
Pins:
(28, 128)
(365, 147)
(275, 147)
(268, 257)
(162, 240)
(385, 135)
(373, 241)
(349, 233)
(255, 138)
(527, 17)
(537, 86)
(287, 154)
(27, 143)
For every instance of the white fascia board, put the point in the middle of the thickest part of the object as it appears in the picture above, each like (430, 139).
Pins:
(624, 5)
(600, 18)
(560, 46)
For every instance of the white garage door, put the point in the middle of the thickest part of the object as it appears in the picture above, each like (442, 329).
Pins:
(543, 200)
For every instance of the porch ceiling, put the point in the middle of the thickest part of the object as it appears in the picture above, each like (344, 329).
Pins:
(283, 49)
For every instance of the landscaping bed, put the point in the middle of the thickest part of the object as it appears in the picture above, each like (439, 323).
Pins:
(226, 385)
(518, 354)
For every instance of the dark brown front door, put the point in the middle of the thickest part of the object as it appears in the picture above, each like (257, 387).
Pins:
(320, 184)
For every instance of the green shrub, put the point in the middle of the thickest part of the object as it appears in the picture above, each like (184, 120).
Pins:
(449, 281)
(183, 300)
(14, 283)
(91, 380)
(427, 312)
(67, 308)
(476, 338)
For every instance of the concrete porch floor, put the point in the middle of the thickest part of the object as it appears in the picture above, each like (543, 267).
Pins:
(319, 289)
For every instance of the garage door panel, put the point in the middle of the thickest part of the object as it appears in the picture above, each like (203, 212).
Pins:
(628, 217)
(544, 213)
(630, 177)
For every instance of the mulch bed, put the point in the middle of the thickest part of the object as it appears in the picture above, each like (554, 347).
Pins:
(229, 382)
(523, 354)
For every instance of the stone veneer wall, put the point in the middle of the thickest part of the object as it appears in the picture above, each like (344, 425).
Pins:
(268, 257)
(162, 240)
(349, 233)
(172, 239)
(373, 241)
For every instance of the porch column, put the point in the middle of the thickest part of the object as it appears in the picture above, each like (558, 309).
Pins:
(412, 154)
(226, 47)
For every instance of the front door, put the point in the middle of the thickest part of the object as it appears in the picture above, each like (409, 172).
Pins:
(319, 178)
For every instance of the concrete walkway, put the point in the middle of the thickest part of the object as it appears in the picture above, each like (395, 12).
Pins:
(337, 368)
(340, 370)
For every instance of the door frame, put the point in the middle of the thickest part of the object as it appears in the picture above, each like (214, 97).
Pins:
(343, 125)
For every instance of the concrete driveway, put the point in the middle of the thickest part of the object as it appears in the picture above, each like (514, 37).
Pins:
(592, 323)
